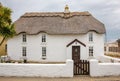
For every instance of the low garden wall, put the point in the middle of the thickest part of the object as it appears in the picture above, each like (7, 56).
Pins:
(108, 59)
(37, 70)
(104, 69)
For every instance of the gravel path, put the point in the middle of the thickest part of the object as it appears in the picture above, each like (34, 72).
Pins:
(76, 78)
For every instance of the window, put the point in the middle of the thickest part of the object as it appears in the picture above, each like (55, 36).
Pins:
(43, 38)
(91, 37)
(104, 48)
(43, 51)
(23, 51)
(113, 49)
(6, 48)
(90, 51)
(24, 37)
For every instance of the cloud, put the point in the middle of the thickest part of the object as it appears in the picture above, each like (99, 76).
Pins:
(107, 11)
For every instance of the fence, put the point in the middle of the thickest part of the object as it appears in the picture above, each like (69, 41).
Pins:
(81, 67)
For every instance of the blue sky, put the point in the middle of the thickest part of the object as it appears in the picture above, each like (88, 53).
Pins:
(107, 11)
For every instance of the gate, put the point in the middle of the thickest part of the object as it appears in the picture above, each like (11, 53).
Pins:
(81, 67)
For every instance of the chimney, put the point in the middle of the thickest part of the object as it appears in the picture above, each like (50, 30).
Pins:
(66, 9)
(66, 12)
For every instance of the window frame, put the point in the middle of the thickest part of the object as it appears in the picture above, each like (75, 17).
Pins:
(24, 51)
(44, 50)
(91, 37)
(43, 37)
(24, 37)
(91, 51)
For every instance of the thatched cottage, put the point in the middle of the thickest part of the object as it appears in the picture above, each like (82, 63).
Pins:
(57, 36)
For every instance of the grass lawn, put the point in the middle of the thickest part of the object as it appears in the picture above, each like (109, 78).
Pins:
(2, 48)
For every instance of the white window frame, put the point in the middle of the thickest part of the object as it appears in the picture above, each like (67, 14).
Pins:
(24, 51)
(91, 51)
(24, 37)
(91, 37)
(43, 37)
(44, 51)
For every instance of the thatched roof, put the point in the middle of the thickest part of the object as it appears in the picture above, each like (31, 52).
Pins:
(58, 23)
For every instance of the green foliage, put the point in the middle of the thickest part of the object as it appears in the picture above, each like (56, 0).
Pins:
(6, 26)
(8, 31)
(5, 15)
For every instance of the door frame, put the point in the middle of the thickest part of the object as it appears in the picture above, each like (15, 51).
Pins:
(74, 53)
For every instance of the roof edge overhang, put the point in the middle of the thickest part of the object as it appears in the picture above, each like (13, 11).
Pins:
(76, 40)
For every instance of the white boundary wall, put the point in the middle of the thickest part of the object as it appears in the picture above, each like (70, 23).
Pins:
(104, 69)
(37, 70)
(108, 59)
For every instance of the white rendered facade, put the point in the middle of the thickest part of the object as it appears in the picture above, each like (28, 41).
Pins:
(56, 46)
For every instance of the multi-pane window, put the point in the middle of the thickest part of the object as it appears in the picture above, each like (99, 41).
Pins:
(91, 51)
(43, 51)
(91, 37)
(24, 37)
(23, 51)
(43, 38)
(114, 49)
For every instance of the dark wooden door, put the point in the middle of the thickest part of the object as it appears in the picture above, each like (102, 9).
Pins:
(75, 53)
(81, 67)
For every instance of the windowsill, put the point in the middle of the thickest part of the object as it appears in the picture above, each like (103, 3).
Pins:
(43, 57)
(91, 41)
(91, 57)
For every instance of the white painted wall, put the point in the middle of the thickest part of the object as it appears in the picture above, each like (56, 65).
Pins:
(56, 47)
(37, 70)
(104, 69)
(108, 59)
(98, 44)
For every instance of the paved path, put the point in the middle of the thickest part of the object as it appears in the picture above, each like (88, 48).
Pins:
(76, 78)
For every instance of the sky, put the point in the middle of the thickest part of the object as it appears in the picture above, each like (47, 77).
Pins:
(106, 11)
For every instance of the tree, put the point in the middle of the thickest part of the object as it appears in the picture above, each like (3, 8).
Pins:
(6, 26)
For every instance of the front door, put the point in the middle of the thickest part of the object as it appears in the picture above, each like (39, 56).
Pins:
(75, 53)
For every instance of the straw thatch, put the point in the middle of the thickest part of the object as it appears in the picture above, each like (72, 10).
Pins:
(58, 23)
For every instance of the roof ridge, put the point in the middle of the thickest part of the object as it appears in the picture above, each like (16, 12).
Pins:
(52, 14)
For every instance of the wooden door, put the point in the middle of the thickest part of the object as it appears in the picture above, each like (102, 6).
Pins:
(75, 53)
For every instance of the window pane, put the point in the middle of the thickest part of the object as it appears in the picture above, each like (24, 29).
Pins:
(90, 36)
(24, 37)
(43, 51)
(24, 51)
(90, 51)
(43, 38)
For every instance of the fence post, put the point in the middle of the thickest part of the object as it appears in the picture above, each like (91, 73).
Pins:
(93, 67)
